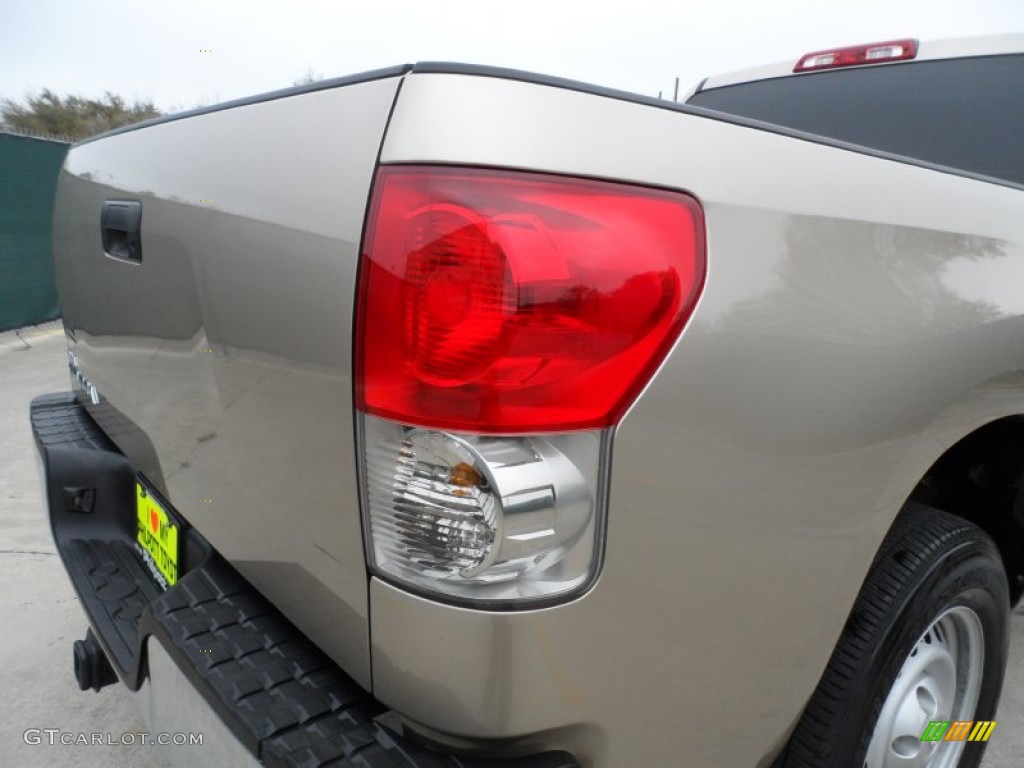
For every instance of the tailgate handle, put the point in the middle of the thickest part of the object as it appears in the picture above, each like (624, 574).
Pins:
(121, 229)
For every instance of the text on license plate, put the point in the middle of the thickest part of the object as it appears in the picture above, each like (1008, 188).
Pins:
(157, 535)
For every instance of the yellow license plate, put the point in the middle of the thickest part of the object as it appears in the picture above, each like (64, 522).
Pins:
(157, 536)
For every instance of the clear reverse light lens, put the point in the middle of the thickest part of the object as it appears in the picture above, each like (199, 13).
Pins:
(481, 518)
(437, 513)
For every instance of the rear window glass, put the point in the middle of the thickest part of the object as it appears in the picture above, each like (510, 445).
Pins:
(967, 114)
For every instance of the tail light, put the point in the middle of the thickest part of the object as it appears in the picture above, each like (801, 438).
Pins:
(505, 321)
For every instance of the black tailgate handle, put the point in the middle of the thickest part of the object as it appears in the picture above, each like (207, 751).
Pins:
(121, 229)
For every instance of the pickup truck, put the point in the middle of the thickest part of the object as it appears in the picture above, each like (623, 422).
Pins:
(445, 415)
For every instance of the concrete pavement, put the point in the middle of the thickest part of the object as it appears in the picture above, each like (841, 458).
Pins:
(39, 612)
(40, 616)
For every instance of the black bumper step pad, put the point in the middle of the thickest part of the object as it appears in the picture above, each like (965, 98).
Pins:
(59, 421)
(285, 700)
(264, 673)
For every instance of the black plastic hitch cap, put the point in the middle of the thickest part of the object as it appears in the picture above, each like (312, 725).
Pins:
(92, 668)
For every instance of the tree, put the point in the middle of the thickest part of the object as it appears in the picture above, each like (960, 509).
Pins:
(72, 116)
(308, 78)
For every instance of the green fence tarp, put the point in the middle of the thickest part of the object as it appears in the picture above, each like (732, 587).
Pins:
(28, 181)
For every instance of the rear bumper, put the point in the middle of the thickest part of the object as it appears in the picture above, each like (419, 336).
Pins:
(285, 701)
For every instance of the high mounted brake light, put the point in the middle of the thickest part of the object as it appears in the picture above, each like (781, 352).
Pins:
(504, 302)
(854, 55)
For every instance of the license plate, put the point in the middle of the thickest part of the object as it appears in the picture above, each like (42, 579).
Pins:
(156, 537)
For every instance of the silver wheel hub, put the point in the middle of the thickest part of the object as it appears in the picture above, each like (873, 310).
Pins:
(940, 680)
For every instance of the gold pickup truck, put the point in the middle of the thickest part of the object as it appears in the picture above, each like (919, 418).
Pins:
(461, 417)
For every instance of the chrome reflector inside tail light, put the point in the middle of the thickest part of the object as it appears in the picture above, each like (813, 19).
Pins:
(482, 517)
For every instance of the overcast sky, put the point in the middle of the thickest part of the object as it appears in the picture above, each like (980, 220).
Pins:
(153, 49)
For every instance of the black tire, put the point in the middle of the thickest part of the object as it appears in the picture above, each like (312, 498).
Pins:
(929, 562)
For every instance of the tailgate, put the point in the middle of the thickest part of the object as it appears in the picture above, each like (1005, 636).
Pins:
(217, 350)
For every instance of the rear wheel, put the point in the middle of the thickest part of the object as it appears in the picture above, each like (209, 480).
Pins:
(926, 641)
(941, 675)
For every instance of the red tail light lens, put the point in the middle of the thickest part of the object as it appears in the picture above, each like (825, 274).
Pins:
(507, 302)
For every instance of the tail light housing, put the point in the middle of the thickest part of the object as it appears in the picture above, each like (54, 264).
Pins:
(505, 322)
